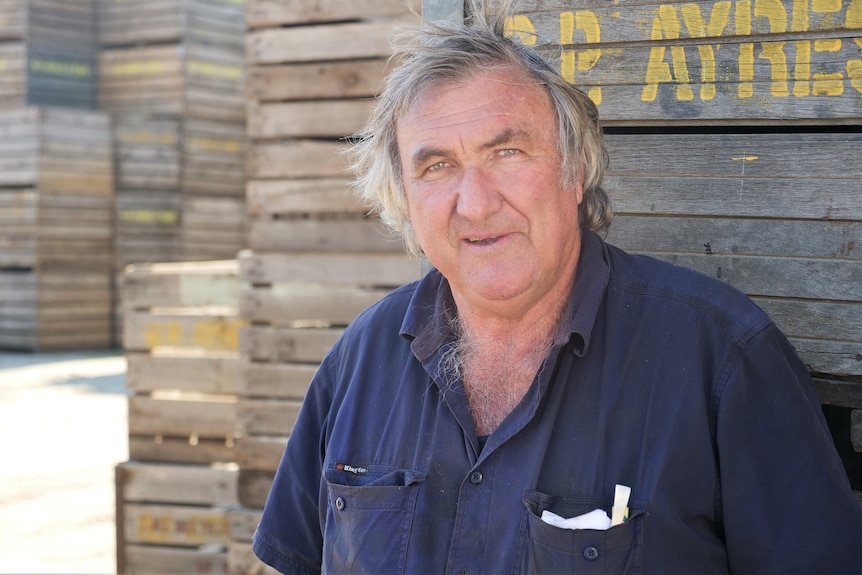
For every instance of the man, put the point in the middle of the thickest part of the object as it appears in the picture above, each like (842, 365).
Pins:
(537, 369)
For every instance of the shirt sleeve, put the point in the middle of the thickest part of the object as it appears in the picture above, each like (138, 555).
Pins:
(289, 537)
(786, 501)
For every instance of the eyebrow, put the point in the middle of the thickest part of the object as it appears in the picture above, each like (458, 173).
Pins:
(507, 136)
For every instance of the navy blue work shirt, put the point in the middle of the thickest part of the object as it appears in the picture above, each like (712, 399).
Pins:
(672, 383)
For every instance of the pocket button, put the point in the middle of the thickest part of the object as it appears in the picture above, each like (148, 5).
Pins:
(591, 553)
(339, 503)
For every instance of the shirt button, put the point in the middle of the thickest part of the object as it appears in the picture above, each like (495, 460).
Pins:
(339, 503)
(476, 477)
(591, 553)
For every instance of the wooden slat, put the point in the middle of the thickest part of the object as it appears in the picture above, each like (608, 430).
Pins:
(856, 430)
(839, 393)
(266, 13)
(322, 235)
(177, 449)
(205, 373)
(277, 380)
(325, 42)
(254, 486)
(296, 159)
(181, 484)
(182, 284)
(260, 453)
(332, 119)
(159, 560)
(267, 416)
(176, 525)
(381, 269)
(201, 418)
(286, 303)
(266, 199)
(214, 331)
(287, 344)
(340, 79)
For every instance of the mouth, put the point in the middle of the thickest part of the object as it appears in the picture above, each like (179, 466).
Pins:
(483, 241)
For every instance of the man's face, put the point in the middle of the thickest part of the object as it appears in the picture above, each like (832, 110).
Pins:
(481, 171)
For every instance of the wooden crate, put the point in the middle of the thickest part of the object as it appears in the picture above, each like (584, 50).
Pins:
(185, 79)
(181, 336)
(46, 310)
(127, 23)
(56, 202)
(174, 518)
(47, 53)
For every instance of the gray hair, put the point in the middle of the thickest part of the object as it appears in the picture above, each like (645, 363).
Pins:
(438, 55)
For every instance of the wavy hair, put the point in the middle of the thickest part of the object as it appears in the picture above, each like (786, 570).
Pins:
(438, 55)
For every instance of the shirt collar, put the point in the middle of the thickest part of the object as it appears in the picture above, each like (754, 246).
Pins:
(426, 321)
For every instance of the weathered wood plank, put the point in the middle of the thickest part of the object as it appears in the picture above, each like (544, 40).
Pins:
(832, 240)
(830, 357)
(182, 284)
(285, 344)
(264, 13)
(286, 303)
(216, 330)
(205, 373)
(183, 484)
(213, 417)
(277, 380)
(158, 560)
(296, 159)
(267, 416)
(266, 199)
(856, 430)
(840, 393)
(355, 40)
(178, 449)
(340, 79)
(332, 119)
(254, 486)
(322, 235)
(369, 269)
(260, 453)
(175, 525)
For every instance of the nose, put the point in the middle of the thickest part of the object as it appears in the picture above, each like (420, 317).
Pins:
(478, 195)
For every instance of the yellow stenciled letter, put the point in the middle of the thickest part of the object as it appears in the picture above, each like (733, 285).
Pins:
(580, 60)
(776, 14)
(854, 22)
(666, 26)
(698, 29)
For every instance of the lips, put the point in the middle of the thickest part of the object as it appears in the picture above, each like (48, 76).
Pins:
(482, 241)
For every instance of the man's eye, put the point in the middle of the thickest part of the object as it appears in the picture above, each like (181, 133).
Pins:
(508, 152)
(437, 166)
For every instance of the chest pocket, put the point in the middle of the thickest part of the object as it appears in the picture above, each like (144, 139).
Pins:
(550, 549)
(368, 519)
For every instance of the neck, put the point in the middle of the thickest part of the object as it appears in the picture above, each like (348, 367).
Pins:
(498, 365)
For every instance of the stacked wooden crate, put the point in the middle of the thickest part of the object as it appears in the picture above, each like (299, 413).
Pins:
(56, 193)
(172, 75)
(733, 131)
(316, 259)
(47, 53)
(175, 494)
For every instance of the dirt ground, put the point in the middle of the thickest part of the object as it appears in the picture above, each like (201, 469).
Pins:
(63, 427)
